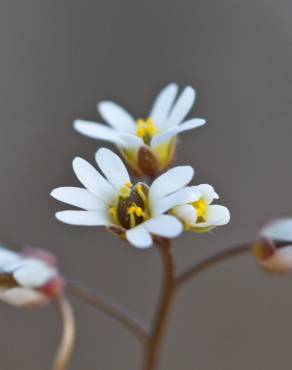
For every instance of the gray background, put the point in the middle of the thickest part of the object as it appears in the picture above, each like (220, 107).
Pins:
(58, 58)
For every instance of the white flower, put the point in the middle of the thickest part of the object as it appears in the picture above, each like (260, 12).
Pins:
(278, 230)
(28, 279)
(132, 211)
(273, 250)
(148, 146)
(201, 215)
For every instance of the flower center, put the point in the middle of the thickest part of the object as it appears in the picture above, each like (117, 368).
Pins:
(201, 208)
(131, 206)
(146, 129)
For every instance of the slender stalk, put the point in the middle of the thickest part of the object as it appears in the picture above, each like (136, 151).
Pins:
(167, 292)
(117, 312)
(68, 333)
(211, 261)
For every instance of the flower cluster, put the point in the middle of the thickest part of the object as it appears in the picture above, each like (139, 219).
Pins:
(139, 212)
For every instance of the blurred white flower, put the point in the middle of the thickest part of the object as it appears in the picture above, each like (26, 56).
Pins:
(278, 230)
(135, 212)
(147, 145)
(201, 215)
(273, 250)
(30, 279)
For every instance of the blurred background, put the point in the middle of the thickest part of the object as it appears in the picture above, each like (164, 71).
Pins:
(58, 58)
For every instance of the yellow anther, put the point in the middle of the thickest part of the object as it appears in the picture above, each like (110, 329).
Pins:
(139, 211)
(139, 188)
(141, 132)
(201, 208)
(135, 210)
(125, 190)
(151, 128)
(146, 129)
(140, 122)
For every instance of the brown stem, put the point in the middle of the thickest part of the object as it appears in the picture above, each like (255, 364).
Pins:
(102, 303)
(68, 333)
(164, 305)
(211, 261)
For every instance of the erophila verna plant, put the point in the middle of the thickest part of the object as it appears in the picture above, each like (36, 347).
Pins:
(145, 213)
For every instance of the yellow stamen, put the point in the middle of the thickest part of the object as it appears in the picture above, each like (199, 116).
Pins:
(201, 208)
(132, 220)
(135, 211)
(141, 132)
(113, 212)
(139, 190)
(146, 129)
(126, 189)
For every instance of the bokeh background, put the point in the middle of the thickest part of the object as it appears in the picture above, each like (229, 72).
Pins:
(58, 58)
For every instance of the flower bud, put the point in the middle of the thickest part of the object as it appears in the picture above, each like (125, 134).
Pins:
(273, 250)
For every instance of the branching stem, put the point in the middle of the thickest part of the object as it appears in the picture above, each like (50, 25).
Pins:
(111, 308)
(151, 340)
(170, 286)
(211, 261)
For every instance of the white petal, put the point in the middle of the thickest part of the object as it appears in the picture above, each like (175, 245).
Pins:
(22, 297)
(186, 213)
(93, 181)
(83, 218)
(164, 225)
(208, 192)
(279, 230)
(131, 141)
(163, 104)
(139, 237)
(183, 196)
(171, 181)
(218, 215)
(31, 273)
(112, 167)
(167, 135)
(98, 131)
(117, 116)
(181, 107)
(78, 197)
(7, 256)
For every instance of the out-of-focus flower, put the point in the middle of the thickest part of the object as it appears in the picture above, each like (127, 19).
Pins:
(147, 145)
(273, 249)
(201, 215)
(28, 279)
(135, 212)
